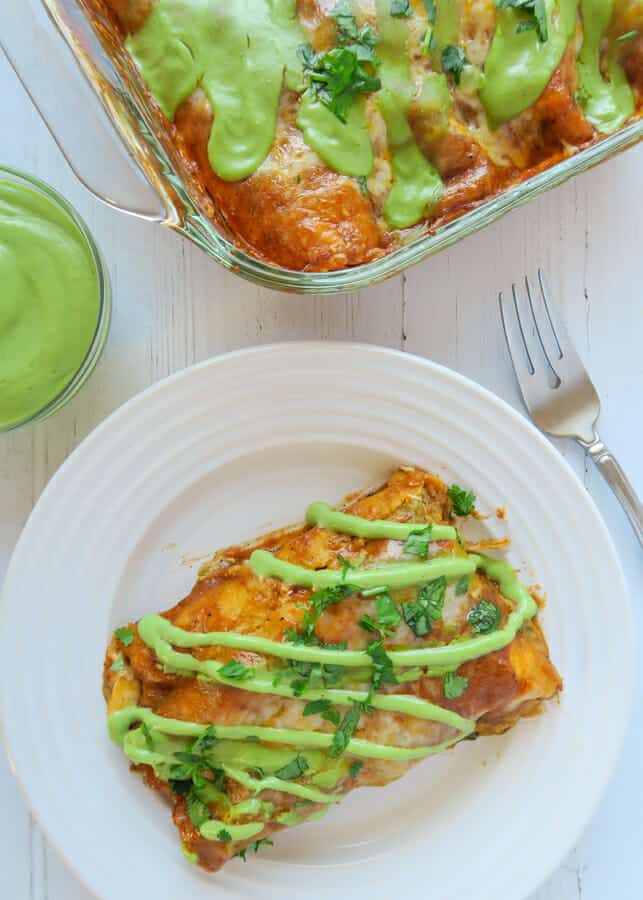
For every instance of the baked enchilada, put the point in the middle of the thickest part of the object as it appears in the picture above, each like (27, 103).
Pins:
(326, 133)
(323, 658)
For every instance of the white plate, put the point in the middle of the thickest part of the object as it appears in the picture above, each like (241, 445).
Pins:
(221, 453)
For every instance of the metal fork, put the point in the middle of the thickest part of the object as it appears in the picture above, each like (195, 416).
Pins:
(555, 387)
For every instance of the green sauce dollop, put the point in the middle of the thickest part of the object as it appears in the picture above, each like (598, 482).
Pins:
(607, 102)
(238, 53)
(520, 65)
(417, 186)
(49, 302)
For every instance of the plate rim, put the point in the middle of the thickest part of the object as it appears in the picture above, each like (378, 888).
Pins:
(279, 347)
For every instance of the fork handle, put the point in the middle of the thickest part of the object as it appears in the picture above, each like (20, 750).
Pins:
(617, 479)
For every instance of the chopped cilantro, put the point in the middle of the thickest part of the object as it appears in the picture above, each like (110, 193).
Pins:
(535, 13)
(345, 731)
(454, 685)
(125, 636)
(314, 675)
(224, 835)
(335, 77)
(361, 41)
(453, 61)
(387, 616)
(236, 670)
(293, 769)
(197, 810)
(428, 41)
(118, 665)
(484, 617)
(401, 8)
(426, 608)
(387, 612)
(368, 623)
(364, 706)
(323, 708)
(254, 846)
(431, 11)
(432, 596)
(355, 768)
(191, 764)
(462, 501)
(418, 542)
(180, 787)
(382, 665)
(318, 602)
(462, 586)
(346, 565)
(363, 186)
(206, 741)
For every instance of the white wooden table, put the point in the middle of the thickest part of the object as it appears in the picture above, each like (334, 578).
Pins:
(173, 307)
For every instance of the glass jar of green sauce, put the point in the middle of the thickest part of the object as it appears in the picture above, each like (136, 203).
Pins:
(55, 302)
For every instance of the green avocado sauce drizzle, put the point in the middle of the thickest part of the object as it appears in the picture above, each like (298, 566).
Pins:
(242, 54)
(608, 102)
(417, 186)
(252, 755)
(520, 65)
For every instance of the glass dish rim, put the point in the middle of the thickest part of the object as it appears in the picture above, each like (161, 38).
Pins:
(103, 320)
(134, 119)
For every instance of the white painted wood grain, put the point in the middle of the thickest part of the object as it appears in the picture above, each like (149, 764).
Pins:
(173, 307)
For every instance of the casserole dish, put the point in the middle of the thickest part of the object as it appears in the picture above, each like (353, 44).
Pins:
(125, 104)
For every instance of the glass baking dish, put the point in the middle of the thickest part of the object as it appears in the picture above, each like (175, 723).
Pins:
(79, 118)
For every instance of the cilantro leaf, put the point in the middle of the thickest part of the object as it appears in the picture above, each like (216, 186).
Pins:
(236, 670)
(454, 685)
(197, 810)
(254, 846)
(386, 611)
(382, 665)
(484, 617)
(426, 608)
(387, 616)
(432, 597)
(462, 501)
(224, 835)
(535, 12)
(320, 601)
(205, 742)
(363, 186)
(346, 565)
(418, 542)
(345, 731)
(431, 11)
(453, 61)
(191, 764)
(125, 636)
(462, 586)
(323, 708)
(355, 768)
(118, 665)
(293, 769)
(335, 77)
(361, 41)
(401, 8)
(364, 706)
